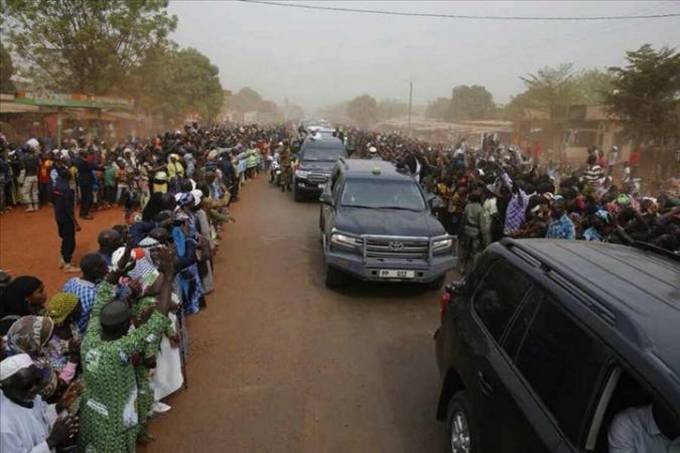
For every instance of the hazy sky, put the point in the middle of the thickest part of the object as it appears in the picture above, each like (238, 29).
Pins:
(315, 58)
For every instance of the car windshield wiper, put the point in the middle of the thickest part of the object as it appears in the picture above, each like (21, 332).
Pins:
(401, 208)
(363, 206)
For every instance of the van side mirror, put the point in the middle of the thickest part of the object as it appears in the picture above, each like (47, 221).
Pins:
(326, 198)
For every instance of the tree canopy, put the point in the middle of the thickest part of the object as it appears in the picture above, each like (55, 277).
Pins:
(363, 110)
(87, 46)
(113, 47)
(646, 94)
(470, 103)
(466, 103)
(174, 82)
(246, 100)
(6, 71)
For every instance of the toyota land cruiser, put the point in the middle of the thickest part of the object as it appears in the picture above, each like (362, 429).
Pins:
(376, 225)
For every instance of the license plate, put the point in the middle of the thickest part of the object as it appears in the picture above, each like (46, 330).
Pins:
(389, 273)
(321, 186)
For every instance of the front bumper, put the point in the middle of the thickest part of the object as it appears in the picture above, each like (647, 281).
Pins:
(368, 269)
(304, 185)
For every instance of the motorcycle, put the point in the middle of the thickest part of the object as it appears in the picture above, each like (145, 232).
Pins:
(275, 171)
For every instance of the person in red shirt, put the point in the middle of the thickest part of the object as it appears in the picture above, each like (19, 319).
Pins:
(634, 159)
(44, 182)
(634, 162)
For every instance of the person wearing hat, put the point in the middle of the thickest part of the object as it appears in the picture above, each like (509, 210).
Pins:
(160, 182)
(63, 347)
(28, 423)
(373, 153)
(109, 415)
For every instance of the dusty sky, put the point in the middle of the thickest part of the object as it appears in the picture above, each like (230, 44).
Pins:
(315, 58)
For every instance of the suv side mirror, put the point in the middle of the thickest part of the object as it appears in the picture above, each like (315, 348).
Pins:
(326, 198)
(434, 202)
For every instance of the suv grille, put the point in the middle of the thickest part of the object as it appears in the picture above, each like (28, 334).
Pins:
(397, 248)
(317, 178)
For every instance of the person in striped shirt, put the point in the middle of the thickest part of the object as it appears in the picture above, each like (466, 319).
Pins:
(593, 174)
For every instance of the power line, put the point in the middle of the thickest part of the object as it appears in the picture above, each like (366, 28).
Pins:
(458, 16)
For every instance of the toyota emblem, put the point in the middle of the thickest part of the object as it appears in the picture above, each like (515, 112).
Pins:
(396, 246)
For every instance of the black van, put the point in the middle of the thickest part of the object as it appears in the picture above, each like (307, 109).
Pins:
(546, 341)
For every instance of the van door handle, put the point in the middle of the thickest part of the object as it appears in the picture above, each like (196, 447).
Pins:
(484, 383)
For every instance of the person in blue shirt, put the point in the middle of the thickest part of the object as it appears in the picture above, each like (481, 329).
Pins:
(67, 225)
(561, 226)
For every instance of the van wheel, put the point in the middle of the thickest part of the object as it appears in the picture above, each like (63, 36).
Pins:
(461, 427)
(335, 278)
(436, 284)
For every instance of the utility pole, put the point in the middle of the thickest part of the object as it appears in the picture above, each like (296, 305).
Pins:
(410, 104)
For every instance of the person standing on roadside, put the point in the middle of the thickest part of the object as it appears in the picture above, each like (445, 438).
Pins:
(85, 182)
(5, 179)
(30, 165)
(286, 167)
(44, 189)
(109, 412)
(67, 225)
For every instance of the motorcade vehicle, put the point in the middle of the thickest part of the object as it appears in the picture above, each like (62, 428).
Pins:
(313, 165)
(545, 342)
(376, 225)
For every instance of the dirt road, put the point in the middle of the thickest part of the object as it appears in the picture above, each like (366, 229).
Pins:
(279, 363)
(29, 243)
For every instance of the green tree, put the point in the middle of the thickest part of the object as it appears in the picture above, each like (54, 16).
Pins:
(175, 82)
(646, 94)
(438, 109)
(246, 100)
(552, 91)
(363, 110)
(470, 103)
(593, 86)
(390, 108)
(646, 98)
(89, 46)
(6, 71)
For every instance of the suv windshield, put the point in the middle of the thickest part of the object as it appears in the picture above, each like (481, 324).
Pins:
(326, 154)
(381, 194)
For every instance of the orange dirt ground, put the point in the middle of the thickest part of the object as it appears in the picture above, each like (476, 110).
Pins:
(29, 243)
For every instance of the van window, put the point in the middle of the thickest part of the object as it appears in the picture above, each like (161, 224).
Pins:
(562, 362)
(498, 295)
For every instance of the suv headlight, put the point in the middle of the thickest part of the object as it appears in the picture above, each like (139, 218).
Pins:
(346, 241)
(442, 245)
(304, 174)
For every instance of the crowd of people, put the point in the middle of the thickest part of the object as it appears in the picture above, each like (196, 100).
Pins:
(86, 368)
(495, 190)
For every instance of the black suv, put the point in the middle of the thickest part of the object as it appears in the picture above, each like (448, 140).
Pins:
(315, 161)
(546, 341)
(376, 225)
